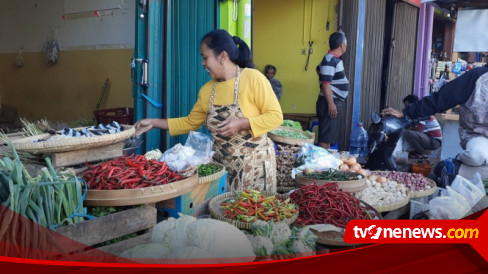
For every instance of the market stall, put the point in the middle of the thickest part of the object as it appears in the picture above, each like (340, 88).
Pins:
(175, 205)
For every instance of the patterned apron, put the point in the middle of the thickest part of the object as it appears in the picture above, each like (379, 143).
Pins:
(250, 162)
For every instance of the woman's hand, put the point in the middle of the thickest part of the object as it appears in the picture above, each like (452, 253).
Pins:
(143, 126)
(392, 112)
(230, 127)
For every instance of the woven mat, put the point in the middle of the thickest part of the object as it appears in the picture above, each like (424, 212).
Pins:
(71, 144)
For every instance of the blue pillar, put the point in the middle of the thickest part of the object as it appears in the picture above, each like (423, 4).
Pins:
(155, 68)
(139, 55)
(359, 61)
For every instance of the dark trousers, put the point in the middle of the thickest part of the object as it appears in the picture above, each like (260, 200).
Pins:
(420, 141)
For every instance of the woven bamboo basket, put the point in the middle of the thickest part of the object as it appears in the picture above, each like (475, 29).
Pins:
(292, 141)
(70, 144)
(335, 238)
(416, 194)
(424, 193)
(215, 208)
(393, 206)
(346, 186)
(212, 177)
(146, 195)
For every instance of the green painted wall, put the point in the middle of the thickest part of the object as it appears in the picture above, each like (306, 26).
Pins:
(282, 30)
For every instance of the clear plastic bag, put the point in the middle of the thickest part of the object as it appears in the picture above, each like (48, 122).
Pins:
(468, 190)
(202, 144)
(316, 158)
(51, 48)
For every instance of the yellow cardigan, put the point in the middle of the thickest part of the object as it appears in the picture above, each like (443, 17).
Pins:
(256, 100)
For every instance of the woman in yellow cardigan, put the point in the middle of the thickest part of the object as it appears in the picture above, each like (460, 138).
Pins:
(238, 106)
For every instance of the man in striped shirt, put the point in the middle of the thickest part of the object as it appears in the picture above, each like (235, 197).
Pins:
(334, 88)
(427, 134)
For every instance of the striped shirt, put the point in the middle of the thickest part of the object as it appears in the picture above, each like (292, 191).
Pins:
(430, 127)
(331, 71)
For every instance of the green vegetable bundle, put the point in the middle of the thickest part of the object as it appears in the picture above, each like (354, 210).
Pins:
(208, 169)
(290, 134)
(50, 199)
(332, 175)
(291, 123)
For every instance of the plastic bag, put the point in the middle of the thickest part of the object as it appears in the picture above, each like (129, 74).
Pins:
(177, 157)
(445, 208)
(51, 48)
(478, 182)
(19, 60)
(316, 158)
(468, 190)
(202, 144)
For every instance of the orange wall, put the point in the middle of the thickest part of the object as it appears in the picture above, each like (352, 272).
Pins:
(69, 90)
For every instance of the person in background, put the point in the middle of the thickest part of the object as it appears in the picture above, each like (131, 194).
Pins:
(270, 72)
(334, 87)
(238, 107)
(427, 134)
(469, 90)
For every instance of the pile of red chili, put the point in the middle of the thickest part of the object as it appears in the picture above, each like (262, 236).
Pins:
(326, 204)
(129, 173)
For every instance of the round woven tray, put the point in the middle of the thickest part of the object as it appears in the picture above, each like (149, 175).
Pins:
(346, 186)
(417, 194)
(125, 197)
(212, 177)
(292, 141)
(215, 208)
(423, 193)
(71, 144)
(390, 207)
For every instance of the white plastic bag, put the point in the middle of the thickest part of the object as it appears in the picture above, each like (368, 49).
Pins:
(177, 157)
(468, 190)
(445, 208)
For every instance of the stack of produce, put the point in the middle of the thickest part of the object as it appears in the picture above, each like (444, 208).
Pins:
(413, 181)
(350, 164)
(51, 199)
(250, 206)
(285, 161)
(129, 173)
(326, 204)
(291, 123)
(268, 238)
(381, 192)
